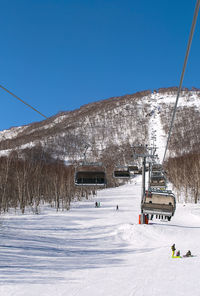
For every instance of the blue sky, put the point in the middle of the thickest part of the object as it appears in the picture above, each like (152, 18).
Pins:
(60, 54)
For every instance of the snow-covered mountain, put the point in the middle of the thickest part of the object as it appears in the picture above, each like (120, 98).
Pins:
(142, 118)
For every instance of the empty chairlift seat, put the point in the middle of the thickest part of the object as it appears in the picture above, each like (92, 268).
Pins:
(158, 182)
(159, 203)
(121, 172)
(157, 179)
(90, 175)
(157, 167)
(133, 169)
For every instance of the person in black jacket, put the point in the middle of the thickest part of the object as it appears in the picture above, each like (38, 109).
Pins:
(188, 254)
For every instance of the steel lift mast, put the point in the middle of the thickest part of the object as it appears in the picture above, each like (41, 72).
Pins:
(147, 153)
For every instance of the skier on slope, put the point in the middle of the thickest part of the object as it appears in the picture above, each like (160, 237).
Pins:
(173, 248)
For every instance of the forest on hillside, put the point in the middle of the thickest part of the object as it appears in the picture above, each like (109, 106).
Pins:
(33, 177)
(184, 173)
(183, 165)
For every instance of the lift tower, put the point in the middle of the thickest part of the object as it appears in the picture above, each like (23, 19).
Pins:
(147, 153)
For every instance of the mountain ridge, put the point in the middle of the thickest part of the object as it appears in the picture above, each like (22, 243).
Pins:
(116, 121)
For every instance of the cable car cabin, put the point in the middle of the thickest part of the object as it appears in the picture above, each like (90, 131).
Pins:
(90, 176)
(162, 204)
(121, 173)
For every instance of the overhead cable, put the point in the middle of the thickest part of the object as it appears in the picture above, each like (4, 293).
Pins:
(183, 72)
(22, 101)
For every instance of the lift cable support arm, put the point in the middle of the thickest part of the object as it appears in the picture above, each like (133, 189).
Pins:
(145, 153)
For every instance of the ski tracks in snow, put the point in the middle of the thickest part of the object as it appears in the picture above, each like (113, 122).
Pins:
(90, 251)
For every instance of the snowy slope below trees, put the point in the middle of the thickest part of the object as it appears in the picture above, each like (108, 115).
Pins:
(99, 251)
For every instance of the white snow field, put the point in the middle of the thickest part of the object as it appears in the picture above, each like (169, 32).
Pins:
(100, 251)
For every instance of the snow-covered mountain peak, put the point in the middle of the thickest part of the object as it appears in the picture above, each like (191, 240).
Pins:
(138, 118)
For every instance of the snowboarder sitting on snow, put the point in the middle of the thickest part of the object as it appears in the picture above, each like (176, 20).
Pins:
(178, 253)
(188, 254)
(173, 249)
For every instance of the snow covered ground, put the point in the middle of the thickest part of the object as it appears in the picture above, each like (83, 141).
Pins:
(100, 251)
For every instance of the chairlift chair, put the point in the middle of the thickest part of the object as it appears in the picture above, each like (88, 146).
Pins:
(121, 172)
(156, 167)
(90, 175)
(156, 174)
(158, 182)
(159, 203)
(133, 169)
(140, 171)
(157, 177)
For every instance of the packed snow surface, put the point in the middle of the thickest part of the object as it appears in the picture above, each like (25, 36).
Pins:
(100, 251)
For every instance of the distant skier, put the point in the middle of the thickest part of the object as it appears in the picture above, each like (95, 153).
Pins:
(173, 248)
(96, 204)
(117, 208)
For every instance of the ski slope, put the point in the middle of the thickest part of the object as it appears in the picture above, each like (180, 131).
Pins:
(99, 251)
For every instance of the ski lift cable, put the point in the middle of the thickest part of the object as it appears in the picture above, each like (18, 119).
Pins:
(183, 72)
(22, 101)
